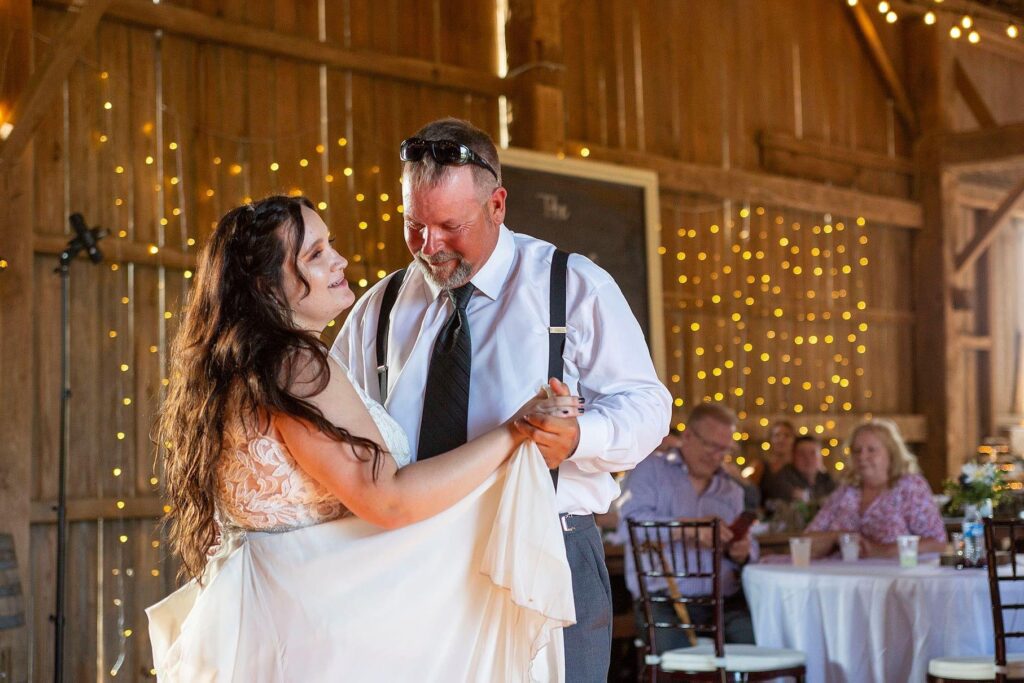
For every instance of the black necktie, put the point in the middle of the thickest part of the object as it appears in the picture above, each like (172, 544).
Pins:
(446, 399)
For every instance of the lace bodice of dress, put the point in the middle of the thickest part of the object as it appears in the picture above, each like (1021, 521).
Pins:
(262, 488)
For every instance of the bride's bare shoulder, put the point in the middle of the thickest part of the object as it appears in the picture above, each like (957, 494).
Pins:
(323, 382)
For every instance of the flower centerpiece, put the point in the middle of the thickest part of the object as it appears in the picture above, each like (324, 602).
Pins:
(978, 485)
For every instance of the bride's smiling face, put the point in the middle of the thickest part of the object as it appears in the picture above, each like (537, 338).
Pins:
(323, 269)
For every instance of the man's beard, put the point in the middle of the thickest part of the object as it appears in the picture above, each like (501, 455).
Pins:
(459, 275)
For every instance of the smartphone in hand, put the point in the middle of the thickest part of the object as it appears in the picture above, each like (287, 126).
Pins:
(741, 525)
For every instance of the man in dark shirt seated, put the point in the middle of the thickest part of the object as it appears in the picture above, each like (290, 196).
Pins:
(805, 479)
(690, 484)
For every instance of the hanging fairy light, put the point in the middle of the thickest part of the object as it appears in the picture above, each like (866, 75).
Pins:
(960, 24)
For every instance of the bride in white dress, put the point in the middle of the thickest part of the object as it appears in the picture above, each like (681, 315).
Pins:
(314, 551)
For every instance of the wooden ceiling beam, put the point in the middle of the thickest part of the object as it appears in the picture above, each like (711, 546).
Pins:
(972, 98)
(989, 230)
(683, 176)
(886, 69)
(205, 27)
(47, 79)
(978, 148)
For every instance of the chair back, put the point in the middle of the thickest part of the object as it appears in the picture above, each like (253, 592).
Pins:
(674, 567)
(1014, 530)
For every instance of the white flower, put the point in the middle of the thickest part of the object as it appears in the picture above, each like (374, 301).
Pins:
(985, 474)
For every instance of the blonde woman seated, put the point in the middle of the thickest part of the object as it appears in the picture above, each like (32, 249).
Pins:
(884, 497)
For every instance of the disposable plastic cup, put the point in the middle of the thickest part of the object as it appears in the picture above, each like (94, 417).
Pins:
(849, 546)
(800, 551)
(907, 546)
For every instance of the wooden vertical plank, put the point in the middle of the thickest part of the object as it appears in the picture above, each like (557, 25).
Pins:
(938, 379)
(16, 315)
(534, 40)
(41, 586)
(48, 143)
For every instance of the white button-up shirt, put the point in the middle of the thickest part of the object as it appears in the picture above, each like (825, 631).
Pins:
(605, 358)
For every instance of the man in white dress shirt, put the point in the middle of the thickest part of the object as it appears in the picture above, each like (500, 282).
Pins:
(454, 207)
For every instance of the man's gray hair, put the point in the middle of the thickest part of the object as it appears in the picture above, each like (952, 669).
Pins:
(428, 173)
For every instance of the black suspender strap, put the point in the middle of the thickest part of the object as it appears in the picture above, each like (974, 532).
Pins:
(383, 327)
(556, 330)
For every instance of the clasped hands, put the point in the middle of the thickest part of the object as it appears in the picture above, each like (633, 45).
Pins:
(550, 420)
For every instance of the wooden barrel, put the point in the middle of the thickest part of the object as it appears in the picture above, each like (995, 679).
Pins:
(12, 604)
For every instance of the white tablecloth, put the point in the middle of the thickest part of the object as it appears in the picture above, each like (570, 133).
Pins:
(873, 621)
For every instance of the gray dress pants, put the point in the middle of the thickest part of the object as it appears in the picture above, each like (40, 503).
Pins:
(588, 643)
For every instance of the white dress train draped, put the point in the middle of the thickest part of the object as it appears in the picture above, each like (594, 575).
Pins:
(479, 592)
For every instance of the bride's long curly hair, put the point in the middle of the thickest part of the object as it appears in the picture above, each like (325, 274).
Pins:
(234, 357)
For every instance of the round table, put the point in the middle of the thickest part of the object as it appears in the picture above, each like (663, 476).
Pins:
(873, 621)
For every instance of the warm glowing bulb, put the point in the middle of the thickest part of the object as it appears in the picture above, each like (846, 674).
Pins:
(883, 7)
(955, 32)
(974, 37)
(1012, 31)
(967, 22)
(891, 18)
(929, 18)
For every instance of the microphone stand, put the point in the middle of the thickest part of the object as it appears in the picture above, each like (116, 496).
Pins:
(84, 239)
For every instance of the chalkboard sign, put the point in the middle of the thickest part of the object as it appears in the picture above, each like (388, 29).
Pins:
(606, 212)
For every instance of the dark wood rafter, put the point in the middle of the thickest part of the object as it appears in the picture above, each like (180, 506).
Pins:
(971, 97)
(34, 103)
(880, 58)
(760, 187)
(989, 230)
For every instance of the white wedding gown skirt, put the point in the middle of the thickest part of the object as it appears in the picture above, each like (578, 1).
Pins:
(479, 592)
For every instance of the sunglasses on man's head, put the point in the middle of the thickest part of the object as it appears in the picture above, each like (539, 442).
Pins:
(444, 152)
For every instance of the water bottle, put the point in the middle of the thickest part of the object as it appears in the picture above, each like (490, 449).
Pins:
(974, 536)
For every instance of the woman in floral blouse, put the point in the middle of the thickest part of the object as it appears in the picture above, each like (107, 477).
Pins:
(884, 497)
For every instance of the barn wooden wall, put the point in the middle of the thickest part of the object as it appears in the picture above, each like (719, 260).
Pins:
(157, 133)
(774, 307)
(993, 327)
